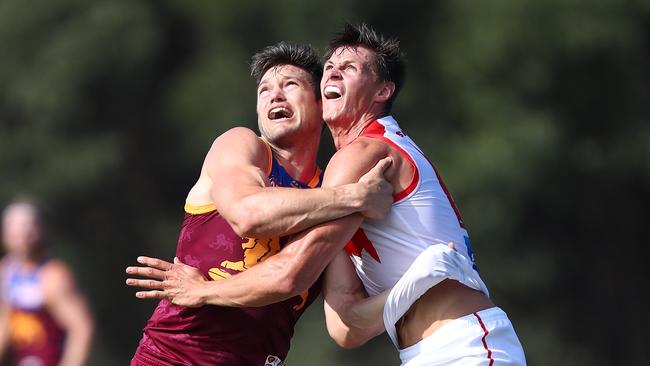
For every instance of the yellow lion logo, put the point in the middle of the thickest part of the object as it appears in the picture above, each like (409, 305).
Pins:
(26, 329)
(256, 250)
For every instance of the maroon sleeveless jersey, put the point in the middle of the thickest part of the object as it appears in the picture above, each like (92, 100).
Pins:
(34, 336)
(215, 335)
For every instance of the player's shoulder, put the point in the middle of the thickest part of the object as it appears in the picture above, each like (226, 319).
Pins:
(238, 141)
(363, 149)
(238, 136)
(56, 268)
(238, 146)
(352, 161)
(56, 276)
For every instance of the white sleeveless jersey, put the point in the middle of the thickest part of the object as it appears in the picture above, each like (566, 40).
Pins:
(423, 215)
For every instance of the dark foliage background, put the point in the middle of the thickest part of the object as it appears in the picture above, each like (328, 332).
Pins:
(535, 112)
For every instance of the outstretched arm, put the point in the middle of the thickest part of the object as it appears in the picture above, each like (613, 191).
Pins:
(236, 167)
(293, 270)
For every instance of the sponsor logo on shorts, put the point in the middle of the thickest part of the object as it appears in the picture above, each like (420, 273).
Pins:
(273, 361)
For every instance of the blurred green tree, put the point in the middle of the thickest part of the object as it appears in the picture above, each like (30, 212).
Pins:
(535, 112)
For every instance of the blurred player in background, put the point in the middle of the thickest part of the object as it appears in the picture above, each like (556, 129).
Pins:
(44, 319)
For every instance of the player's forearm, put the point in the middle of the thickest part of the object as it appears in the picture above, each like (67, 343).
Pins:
(353, 321)
(286, 274)
(258, 286)
(3, 341)
(4, 330)
(77, 344)
(366, 313)
(351, 337)
(283, 211)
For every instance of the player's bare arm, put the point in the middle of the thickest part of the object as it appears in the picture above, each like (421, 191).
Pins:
(4, 318)
(4, 327)
(254, 209)
(69, 309)
(286, 274)
(351, 316)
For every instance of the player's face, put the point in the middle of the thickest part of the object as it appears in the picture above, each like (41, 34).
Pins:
(349, 85)
(20, 229)
(287, 106)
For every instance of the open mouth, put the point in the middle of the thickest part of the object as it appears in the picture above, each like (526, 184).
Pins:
(280, 113)
(332, 92)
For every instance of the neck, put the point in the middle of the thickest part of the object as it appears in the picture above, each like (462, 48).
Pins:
(30, 259)
(299, 159)
(344, 132)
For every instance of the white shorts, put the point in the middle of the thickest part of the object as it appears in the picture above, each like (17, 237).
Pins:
(486, 338)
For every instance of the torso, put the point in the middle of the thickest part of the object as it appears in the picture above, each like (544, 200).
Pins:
(220, 335)
(423, 214)
(34, 335)
(441, 304)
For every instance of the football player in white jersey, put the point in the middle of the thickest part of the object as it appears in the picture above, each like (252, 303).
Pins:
(438, 312)
(437, 309)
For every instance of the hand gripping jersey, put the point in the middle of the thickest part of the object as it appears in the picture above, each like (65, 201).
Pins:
(423, 215)
(214, 335)
(34, 336)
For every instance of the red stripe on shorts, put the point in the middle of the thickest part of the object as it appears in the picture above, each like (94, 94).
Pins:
(486, 332)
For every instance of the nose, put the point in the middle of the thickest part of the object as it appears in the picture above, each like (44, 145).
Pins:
(333, 73)
(277, 95)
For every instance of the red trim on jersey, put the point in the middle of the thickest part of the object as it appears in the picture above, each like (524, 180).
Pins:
(486, 332)
(449, 197)
(377, 130)
(360, 242)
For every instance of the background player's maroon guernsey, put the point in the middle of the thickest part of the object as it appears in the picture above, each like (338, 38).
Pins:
(33, 333)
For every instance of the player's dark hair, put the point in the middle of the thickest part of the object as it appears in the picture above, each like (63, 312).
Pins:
(389, 59)
(284, 53)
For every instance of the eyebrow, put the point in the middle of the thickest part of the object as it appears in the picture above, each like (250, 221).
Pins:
(283, 78)
(345, 62)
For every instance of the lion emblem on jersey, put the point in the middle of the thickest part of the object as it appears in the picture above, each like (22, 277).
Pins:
(26, 328)
(256, 250)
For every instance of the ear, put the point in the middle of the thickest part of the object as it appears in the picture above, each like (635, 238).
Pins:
(385, 92)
